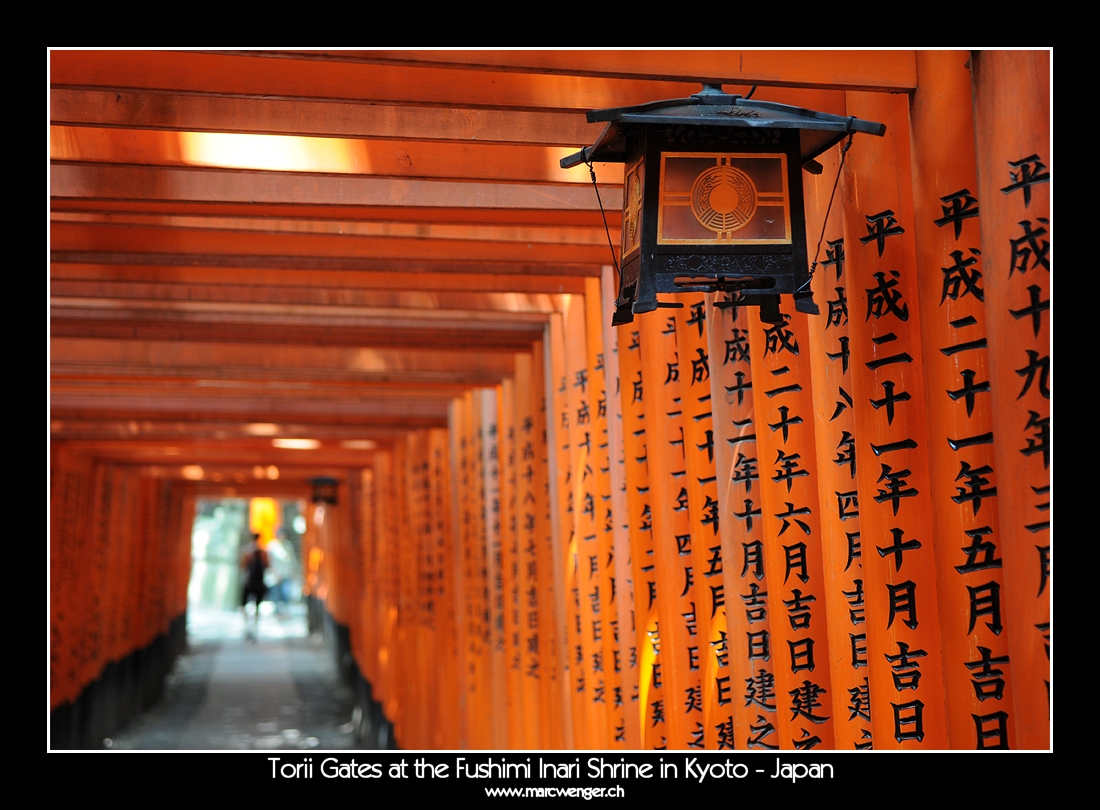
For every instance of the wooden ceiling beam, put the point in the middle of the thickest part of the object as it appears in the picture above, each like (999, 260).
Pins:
(440, 160)
(491, 233)
(414, 272)
(146, 184)
(397, 303)
(378, 337)
(245, 313)
(396, 413)
(320, 119)
(623, 79)
(233, 461)
(287, 369)
(367, 276)
(67, 237)
(291, 489)
(133, 396)
(214, 361)
(425, 215)
(192, 426)
(69, 424)
(409, 413)
(841, 69)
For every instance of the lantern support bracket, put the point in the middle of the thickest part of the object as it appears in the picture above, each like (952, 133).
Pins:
(712, 196)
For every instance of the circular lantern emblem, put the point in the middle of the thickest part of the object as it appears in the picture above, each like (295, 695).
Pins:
(723, 199)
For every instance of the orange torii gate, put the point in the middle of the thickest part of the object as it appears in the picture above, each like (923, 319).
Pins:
(699, 530)
(851, 590)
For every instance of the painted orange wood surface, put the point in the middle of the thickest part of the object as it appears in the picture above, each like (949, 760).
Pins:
(677, 604)
(836, 441)
(964, 483)
(710, 707)
(650, 691)
(527, 581)
(552, 533)
(895, 505)
(1014, 170)
(590, 679)
(602, 592)
(555, 729)
(625, 614)
(748, 650)
(791, 521)
(564, 550)
(509, 565)
(489, 436)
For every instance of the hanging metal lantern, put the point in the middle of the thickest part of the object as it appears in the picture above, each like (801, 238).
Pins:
(712, 196)
(324, 490)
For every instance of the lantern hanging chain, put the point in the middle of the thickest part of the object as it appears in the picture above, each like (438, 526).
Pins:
(611, 247)
(843, 154)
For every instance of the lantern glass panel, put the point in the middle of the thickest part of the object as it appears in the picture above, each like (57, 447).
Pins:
(633, 195)
(723, 198)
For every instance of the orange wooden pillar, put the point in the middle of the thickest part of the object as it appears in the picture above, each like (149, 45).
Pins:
(904, 660)
(489, 440)
(525, 511)
(401, 710)
(748, 650)
(346, 551)
(1012, 109)
(114, 545)
(747, 654)
(124, 601)
(550, 639)
(170, 528)
(960, 399)
(623, 583)
(511, 598)
(600, 586)
(422, 651)
(474, 574)
(150, 620)
(567, 603)
(366, 637)
(791, 520)
(589, 546)
(94, 595)
(465, 516)
(386, 576)
(85, 541)
(71, 496)
(442, 604)
(707, 654)
(584, 558)
(414, 678)
(648, 696)
(677, 606)
(836, 442)
(179, 508)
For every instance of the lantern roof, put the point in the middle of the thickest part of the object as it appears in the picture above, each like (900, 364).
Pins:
(711, 107)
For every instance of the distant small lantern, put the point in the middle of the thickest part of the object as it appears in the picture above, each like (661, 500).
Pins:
(712, 196)
(324, 490)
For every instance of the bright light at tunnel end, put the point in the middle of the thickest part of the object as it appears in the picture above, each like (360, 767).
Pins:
(296, 444)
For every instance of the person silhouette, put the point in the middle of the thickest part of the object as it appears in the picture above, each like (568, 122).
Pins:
(253, 566)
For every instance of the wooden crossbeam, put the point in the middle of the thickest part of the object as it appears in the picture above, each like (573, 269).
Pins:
(490, 78)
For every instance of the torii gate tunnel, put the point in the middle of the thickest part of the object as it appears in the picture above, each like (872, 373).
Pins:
(696, 530)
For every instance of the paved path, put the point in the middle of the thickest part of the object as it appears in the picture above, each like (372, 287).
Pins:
(280, 692)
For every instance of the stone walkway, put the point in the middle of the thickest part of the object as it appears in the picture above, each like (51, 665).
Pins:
(280, 692)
